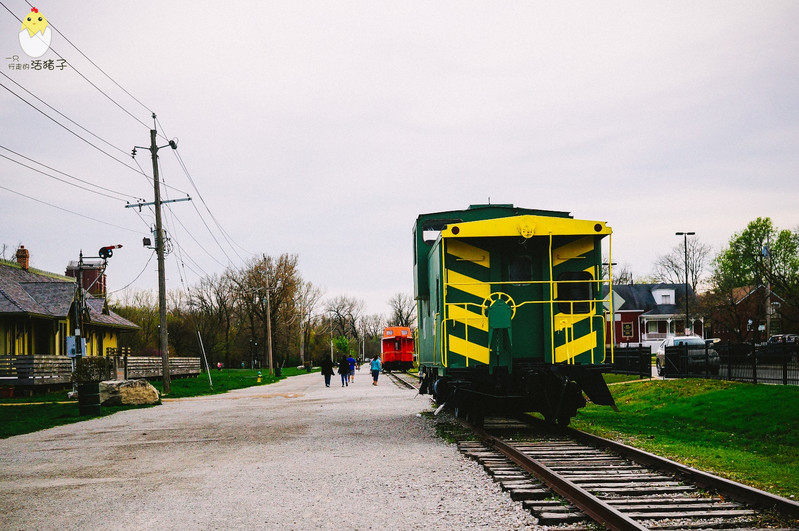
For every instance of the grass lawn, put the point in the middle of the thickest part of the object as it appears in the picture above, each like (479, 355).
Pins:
(748, 433)
(25, 415)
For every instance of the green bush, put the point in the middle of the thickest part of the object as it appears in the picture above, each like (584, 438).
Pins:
(90, 369)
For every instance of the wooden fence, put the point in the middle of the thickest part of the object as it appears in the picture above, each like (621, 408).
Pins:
(35, 370)
(39, 370)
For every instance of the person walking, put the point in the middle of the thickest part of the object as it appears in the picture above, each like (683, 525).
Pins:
(351, 361)
(344, 370)
(327, 370)
(375, 366)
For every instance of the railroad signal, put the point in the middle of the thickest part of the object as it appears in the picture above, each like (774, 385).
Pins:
(108, 251)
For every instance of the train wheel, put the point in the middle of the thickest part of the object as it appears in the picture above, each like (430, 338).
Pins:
(563, 421)
(440, 391)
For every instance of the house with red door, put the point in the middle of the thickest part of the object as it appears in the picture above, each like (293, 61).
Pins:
(646, 314)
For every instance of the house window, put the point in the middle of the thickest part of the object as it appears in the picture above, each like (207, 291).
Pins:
(665, 299)
(574, 292)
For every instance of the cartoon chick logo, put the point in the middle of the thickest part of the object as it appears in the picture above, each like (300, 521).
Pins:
(35, 35)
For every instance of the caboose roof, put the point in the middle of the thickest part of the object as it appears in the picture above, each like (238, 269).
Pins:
(526, 226)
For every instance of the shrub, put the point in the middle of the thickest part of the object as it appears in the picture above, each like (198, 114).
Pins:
(90, 369)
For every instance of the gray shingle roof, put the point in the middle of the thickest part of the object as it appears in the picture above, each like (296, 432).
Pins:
(48, 295)
(639, 297)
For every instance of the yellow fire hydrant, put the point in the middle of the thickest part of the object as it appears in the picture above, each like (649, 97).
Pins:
(259, 377)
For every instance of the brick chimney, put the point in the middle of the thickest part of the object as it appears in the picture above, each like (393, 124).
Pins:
(92, 275)
(23, 257)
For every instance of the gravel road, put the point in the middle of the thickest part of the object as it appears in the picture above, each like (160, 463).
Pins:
(292, 455)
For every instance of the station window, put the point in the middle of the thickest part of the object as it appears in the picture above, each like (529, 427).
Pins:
(574, 292)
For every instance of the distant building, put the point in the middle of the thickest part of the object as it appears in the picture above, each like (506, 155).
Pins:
(646, 314)
(752, 313)
(37, 312)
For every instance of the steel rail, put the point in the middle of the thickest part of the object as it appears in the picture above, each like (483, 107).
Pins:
(727, 487)
(592, 506)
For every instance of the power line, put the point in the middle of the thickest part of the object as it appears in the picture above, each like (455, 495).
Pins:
(67, 128)
(96, 66)
(139, 170)
(70, 211)
(137, 276)
(209, 232)
(125, 196)
(64, 115)
(227, 237)
(188, 232)
(78, 71)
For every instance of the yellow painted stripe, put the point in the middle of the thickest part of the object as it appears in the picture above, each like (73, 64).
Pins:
(468, 284)
(575, 348)
(567, 320)
(462, 315)
(464, 251)
(468, 349)
(575, 249)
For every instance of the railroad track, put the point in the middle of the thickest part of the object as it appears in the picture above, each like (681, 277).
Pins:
(403, 379)
(601, 481)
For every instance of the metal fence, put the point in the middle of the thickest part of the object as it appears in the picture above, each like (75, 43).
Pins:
(739, 362)
(774, 364)
(632, 360)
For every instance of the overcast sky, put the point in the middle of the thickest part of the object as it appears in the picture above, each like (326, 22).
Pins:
(323, 128)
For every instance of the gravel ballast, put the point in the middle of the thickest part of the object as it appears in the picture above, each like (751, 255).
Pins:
(292, 455)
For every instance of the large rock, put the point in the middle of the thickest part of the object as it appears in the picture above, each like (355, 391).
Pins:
(128, 393)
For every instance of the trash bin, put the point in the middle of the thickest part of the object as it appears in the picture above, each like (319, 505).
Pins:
(307, 366)
(89, 398)
(278, 372)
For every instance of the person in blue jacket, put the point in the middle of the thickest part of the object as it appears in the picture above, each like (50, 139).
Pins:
(376, 366)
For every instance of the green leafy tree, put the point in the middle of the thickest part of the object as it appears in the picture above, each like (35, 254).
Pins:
(342, 345)
(758, 261)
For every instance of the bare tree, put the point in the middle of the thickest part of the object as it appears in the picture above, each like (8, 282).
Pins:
(670, 268)
(403, 310)
(266, 290)
(345, 313)
(307, 297)
(141, 307)
(213, 307)
(373, 325)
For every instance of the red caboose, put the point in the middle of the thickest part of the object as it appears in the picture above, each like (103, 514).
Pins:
(397, 348)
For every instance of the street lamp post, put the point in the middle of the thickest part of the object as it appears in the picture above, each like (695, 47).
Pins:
(685, 243)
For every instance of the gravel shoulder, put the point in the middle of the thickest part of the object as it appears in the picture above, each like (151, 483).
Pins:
(292, 455)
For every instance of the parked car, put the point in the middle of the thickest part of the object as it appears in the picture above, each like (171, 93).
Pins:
(781, 338)
(778, 349)
(697, 360)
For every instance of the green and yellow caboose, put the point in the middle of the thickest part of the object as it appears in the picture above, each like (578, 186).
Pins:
(510, 310)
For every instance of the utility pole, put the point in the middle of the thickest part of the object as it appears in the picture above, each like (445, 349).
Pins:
(163, 341)
(163, 337)
(687, 321)
(269, 329)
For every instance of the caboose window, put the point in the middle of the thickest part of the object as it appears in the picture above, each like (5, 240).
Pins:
(574, 292)
(520, 269)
